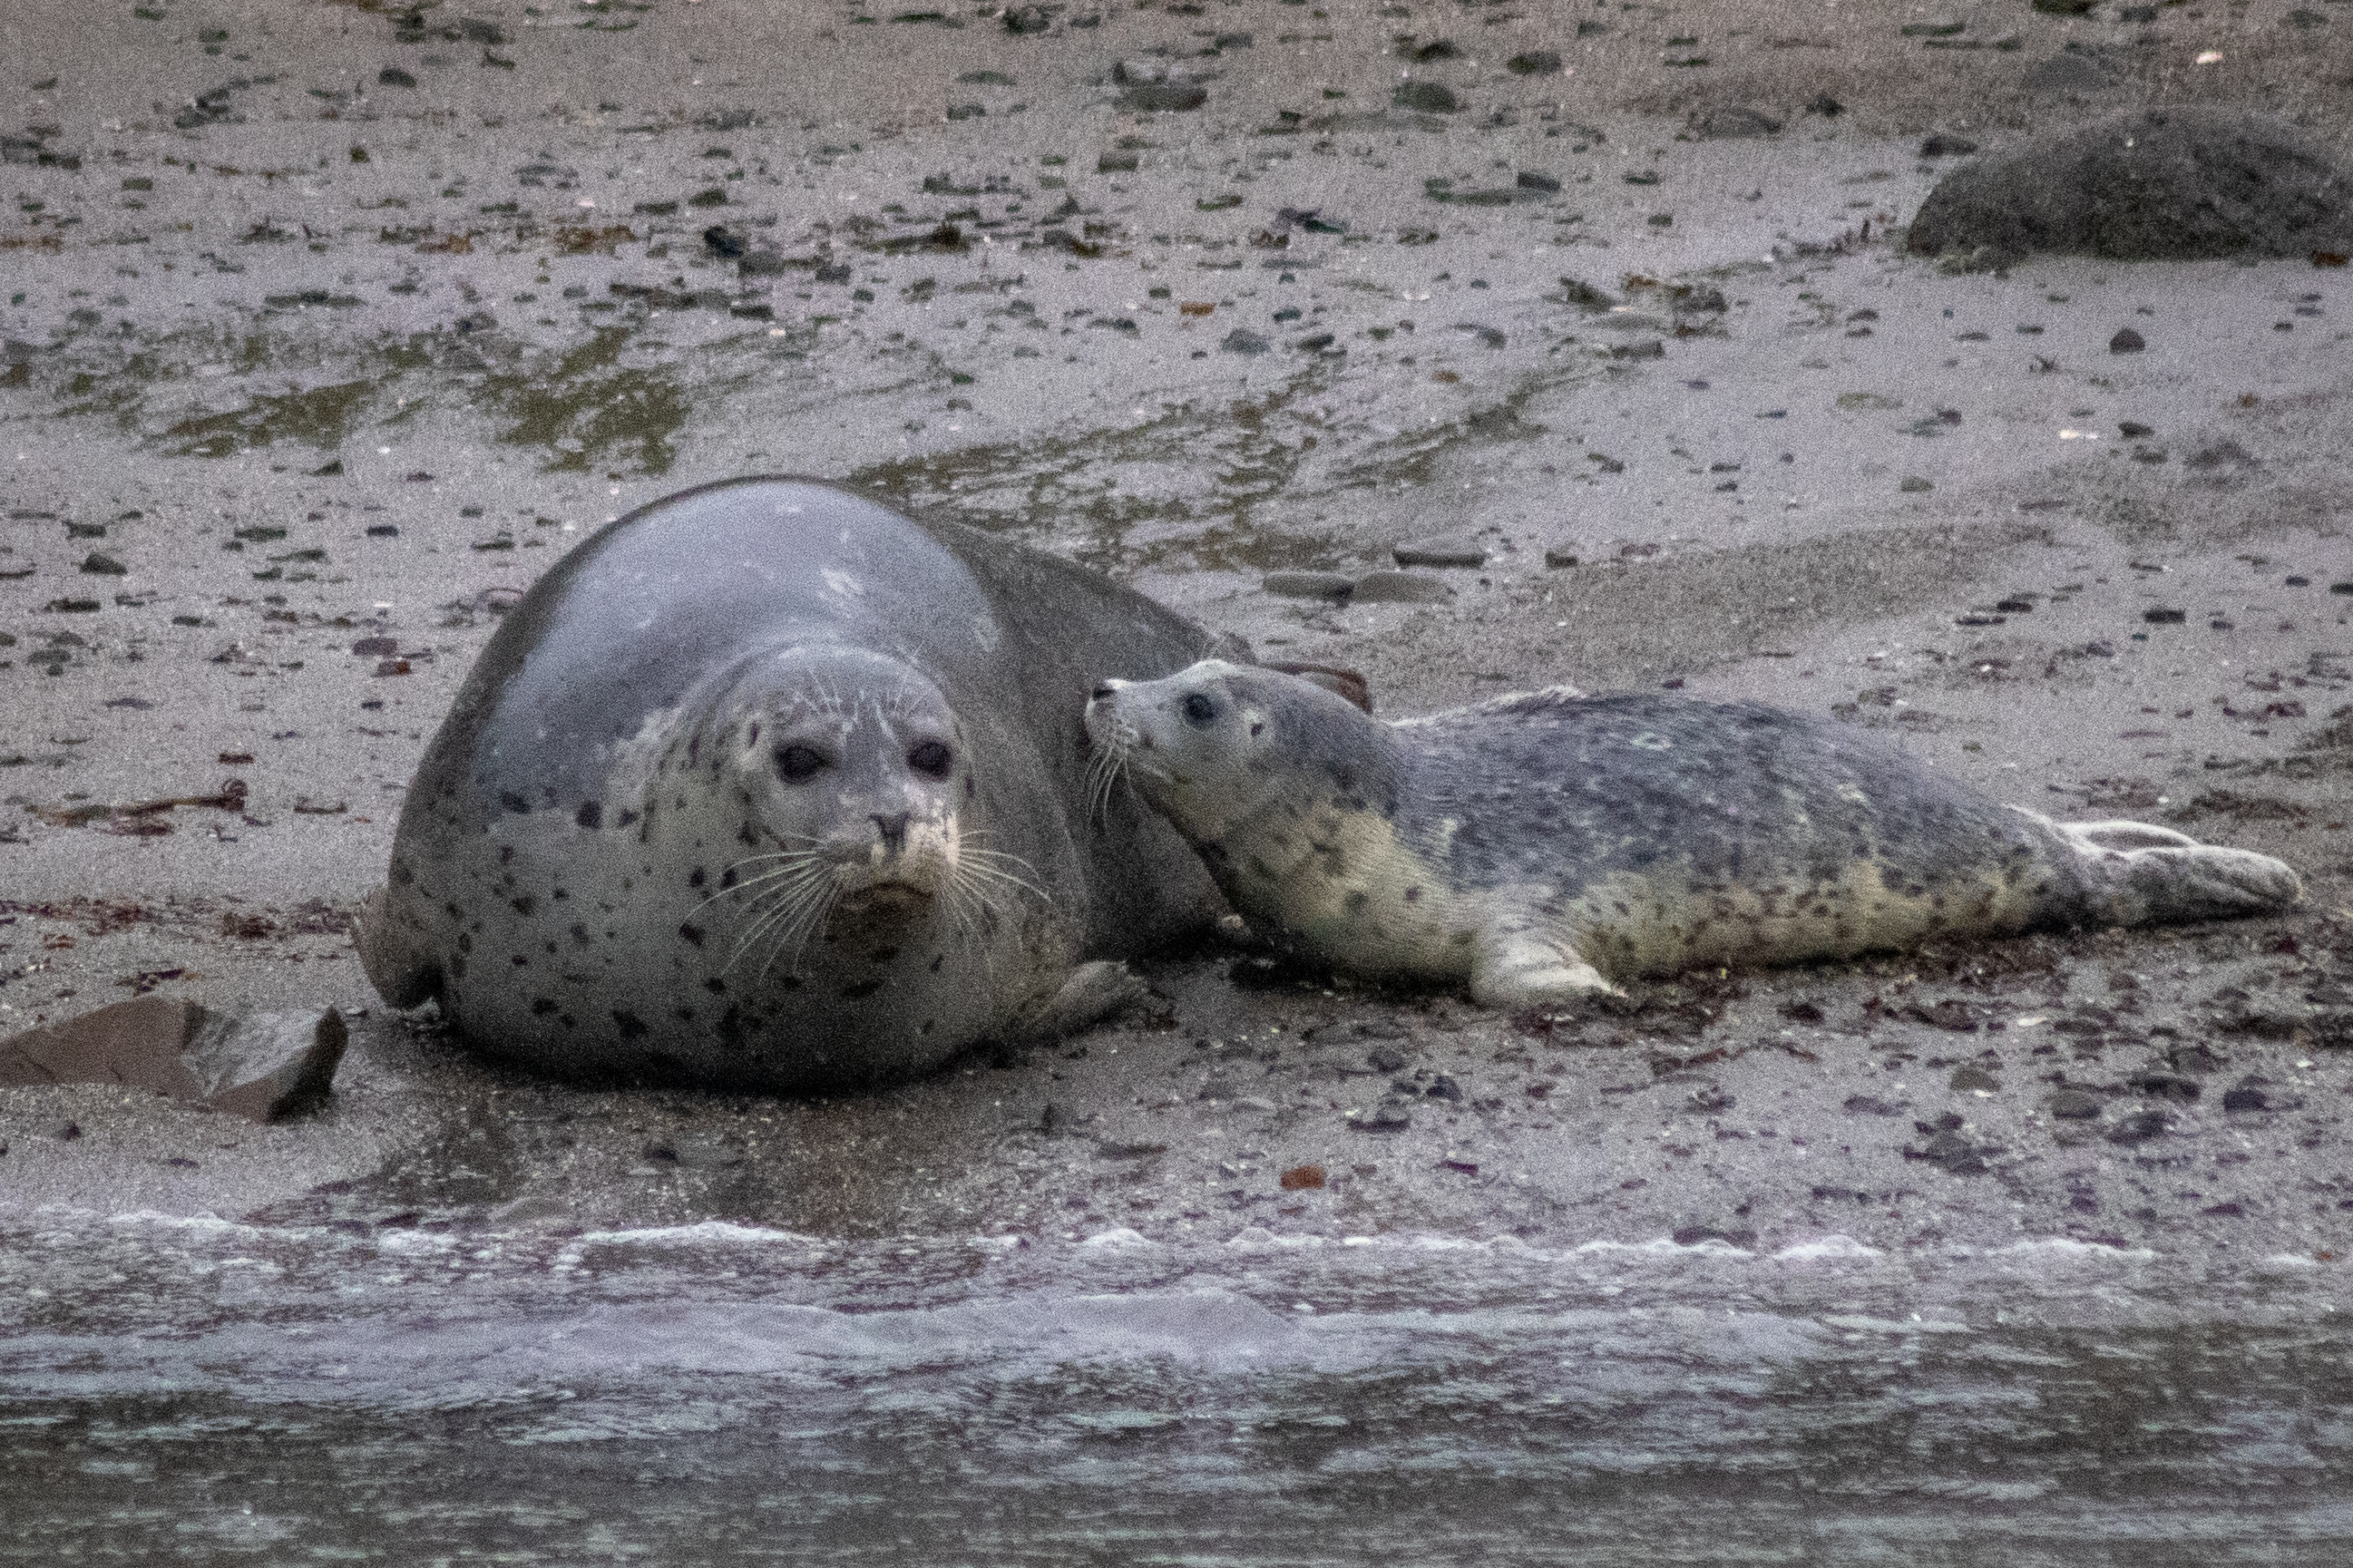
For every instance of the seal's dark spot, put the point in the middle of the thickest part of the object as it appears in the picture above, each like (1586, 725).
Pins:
(694, 878)
(863, 988)
(882, 956)
(513, 801)
(465, 942)
(726, 877)
(625, 818)
(590, 815)
(580, 934)
(630, 1024)
(458, 968)
(524, 905)
(936, 960)
(716, 985)
(1413, 895)
(693, 933)
(541, 1006)
(1355, 903)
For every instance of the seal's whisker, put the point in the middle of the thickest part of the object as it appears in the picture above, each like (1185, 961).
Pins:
(804, 864)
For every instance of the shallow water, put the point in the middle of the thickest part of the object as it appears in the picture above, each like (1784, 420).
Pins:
(201, 1390)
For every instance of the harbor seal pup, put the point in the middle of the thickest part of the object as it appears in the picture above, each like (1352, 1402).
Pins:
(766, 786)
(1549, 844)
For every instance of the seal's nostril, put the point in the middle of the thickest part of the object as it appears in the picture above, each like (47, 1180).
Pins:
(893, 829)
(1102, 692)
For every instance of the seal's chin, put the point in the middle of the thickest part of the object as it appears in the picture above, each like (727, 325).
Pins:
(885, 901)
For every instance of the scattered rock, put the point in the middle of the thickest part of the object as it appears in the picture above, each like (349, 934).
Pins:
(2153, 184)
(2076, 1105)
(1732, 124)
(1308, 584)
(1391, 1115)
(267, 1066)
(1301, 1178)
(1969, 1076)
(1693, 1234)
(1535, 62)
(2138, 1128)
(1440, 550)
(1940, 145)
(1400, 588)
(2127, 341)
(1242, 341)
(1425, 98)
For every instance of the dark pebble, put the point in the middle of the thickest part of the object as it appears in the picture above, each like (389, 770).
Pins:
(2161, 616)
(1425, 98)
(2165, 1085)
(1535, 62)
(1693, 1234)
(1943, 146)
(1400, 588)
(1969, 1076)
(1388, 1058)
(392, 76)
(1444, 1087)
(1242, 340)
(99, 565)
(2127, 341)
(1440, 552)
(2246, 1096)
(1308, 584)
(722, 242)
(1388, 1116)
(2138, 1128)
(2075, 1105)
(2133, 429)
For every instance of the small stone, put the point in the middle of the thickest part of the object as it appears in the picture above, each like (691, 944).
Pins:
(1559, 556)
(1391, 1115)
(1425, 98)
(1388, 1058)
(392, 76)
(1533, 180)
(1401, 588)
(1693, 1235)
(1943, 146)
(1242, 340)
(1116, 164)
(767, 264)
(1308, 584)
(1734, 124)
(1640, 348)
(99, 565)
(2247, 1095)
(1869, 1105)
(1171, 96)
(1440, 550)
(1301, 1178)
(2133, 429)
(2075, 1105)
(2138, 1128)
(1913, 485)
(2127, 341)
(1534, 62)
(2161, 616)
(1444, 1087)
(722, 242)
(2165, 1086)
(1969, 1076)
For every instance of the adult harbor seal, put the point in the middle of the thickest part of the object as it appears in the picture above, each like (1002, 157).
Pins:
(1545, 844)
(766, 785)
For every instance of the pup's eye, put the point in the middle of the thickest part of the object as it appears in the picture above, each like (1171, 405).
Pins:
(799, 764)
(932, 760)
(1200, 711)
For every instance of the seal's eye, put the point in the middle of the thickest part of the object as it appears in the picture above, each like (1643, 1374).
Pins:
(1200, 711)
(799, 764)
(932, 760)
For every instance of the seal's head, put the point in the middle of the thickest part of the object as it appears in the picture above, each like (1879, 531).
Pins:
(1217, 745)
(849, 774)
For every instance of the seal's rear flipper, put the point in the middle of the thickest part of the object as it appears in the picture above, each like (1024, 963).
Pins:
(1516, 967)
(1093, 992)
(2146, 875)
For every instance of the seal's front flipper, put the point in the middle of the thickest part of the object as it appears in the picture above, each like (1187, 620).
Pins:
(1093, 992)
(397, 968)
(1516, 967)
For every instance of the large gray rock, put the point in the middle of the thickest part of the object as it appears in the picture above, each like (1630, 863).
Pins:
(265, 1066)
(2153, 184)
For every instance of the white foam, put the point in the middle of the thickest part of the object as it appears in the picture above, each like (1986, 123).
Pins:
(702, 1233)
(1857, 1323)
(1118, 1235)
(2067, 1249)
(1827, 1249)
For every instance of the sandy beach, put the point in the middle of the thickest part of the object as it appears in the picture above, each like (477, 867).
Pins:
(329, 327)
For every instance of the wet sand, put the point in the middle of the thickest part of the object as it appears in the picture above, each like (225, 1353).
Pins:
(327, 333)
